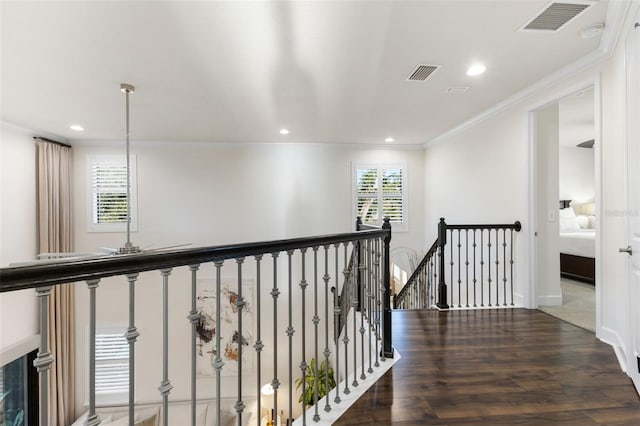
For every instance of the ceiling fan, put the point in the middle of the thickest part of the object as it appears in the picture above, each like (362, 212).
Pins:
(128, 247)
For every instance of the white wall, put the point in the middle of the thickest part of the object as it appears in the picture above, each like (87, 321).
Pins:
(477, 177)
(211, 194)
(18, 313)
(577, 174)
(489, 180)
(548, 291)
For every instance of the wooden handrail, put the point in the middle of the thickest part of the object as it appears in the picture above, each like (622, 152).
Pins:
(47, 274)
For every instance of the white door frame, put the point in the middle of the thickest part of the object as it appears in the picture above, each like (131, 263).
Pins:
(531, 242)
(631, 135)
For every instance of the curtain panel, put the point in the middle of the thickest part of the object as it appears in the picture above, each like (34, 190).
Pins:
(54, 169)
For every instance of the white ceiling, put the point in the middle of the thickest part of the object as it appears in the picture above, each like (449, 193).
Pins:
(330, 71)
(576, 115)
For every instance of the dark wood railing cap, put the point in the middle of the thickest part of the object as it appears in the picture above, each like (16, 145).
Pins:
(46, 274)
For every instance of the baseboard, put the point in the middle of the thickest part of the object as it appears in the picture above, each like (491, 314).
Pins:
(550, 300)
(611, 337)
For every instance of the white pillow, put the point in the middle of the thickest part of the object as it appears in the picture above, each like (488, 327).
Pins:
(150, 420)
(583, 221)
(143, 417)
(568, 221)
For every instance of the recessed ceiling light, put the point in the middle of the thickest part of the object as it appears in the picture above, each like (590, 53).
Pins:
(476, 69)
(76, 127)
(388, 140)
(284, 131)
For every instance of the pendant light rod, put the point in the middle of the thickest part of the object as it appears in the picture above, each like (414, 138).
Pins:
(128, 247)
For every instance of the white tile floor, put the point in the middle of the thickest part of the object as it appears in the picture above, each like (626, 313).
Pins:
(578, 304)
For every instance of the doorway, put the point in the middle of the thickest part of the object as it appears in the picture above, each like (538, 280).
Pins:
(565, 193)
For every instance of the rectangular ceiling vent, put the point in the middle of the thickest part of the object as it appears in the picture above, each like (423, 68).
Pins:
(555, 15)
(422, 72)
(456, 89)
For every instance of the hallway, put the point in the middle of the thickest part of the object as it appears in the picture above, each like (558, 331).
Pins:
(498, 367)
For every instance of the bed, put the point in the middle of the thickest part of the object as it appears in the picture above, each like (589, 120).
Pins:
(577, 246)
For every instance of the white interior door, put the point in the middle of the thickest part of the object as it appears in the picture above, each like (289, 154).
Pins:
(632, 52)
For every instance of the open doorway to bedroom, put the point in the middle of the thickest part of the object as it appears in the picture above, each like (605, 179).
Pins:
(575, 210)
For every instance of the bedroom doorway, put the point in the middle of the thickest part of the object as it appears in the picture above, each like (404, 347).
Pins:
(566, 176)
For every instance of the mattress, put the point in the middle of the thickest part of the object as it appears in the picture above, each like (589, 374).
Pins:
(581, 243)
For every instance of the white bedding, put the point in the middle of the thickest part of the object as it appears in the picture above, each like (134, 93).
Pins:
(580, 243)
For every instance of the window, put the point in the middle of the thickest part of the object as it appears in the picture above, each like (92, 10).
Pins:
(379, 192)
(108, 193)
(112, 366)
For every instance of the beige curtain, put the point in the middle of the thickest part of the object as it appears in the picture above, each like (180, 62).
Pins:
(55, 235)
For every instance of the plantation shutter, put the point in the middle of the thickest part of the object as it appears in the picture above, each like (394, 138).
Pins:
(112, 366)
(392, 195)
(379, 193)
(367, 195)
(109, 189)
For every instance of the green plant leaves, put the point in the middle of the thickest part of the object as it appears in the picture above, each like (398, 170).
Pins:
(324, 374)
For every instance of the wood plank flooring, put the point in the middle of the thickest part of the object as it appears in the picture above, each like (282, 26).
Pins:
(497, 367)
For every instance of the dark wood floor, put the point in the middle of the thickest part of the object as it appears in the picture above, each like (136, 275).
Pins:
(497, 367)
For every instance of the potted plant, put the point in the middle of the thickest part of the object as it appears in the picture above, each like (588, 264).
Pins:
(324, 371)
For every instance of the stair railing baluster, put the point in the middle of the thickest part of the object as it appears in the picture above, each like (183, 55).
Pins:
(504, 266)
(377, 300)
(369, 300)
(316, 321)
(354, 307)
(336, 322)
(497, 267)
(466, 265)
(326, 278)
(459, 271)
(93, 419)
(218, 363)
(132, 335)
(165, 386)
(259, 345)
(303, 364)
(489, 264)
(275, 292)
(240, 304)
(290, 331)
(345, 339)
(511, 262)
(475, 298)
(194, 318)
(44, 359)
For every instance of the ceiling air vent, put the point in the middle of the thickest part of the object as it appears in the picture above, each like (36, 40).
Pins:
(555, 15)
(456, 89)
(422, 72)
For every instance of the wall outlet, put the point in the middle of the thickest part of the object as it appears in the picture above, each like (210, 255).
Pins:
(551, 216)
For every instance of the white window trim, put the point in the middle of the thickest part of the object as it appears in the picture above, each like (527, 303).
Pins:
(399, 227)
(112, 227)
(103, 399)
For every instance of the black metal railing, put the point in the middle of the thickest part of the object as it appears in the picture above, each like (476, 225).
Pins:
(312, 264)
(468, 266)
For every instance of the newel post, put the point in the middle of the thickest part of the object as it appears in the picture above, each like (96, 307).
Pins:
(442, 285)
(387, 347)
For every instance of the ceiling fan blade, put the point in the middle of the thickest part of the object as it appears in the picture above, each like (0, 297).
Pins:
(63, 255)
(167, 247)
